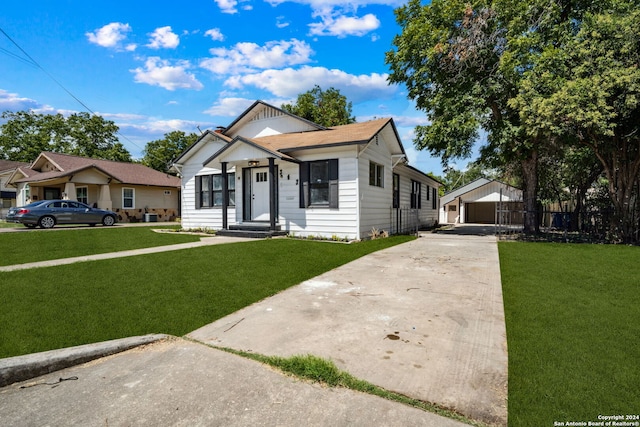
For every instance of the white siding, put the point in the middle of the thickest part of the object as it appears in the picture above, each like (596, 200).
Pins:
(262, 125)
(321, 221)
(205, 217)
(375, 202)
(428, 216)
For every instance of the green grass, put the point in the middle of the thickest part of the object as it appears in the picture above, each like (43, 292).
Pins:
(5, 224)
(573, 329)
(42, 245)
(171, 292)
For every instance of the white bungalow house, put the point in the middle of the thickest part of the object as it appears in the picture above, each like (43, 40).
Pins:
(479, 202)
(273, 171)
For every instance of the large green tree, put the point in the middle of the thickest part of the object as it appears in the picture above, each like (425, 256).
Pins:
(159, 153)
(466, 63)
(26, 134)
(451, 57)
(324, 107)
(588, 87)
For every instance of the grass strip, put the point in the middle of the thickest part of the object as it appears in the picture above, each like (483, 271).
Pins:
(171, 292)
(316, 369)
(43, 245)
(572, 315)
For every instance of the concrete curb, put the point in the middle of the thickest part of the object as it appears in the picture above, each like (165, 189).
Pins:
(21, 368)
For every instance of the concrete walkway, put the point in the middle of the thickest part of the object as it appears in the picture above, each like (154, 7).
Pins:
(204, 241)
(424, 319)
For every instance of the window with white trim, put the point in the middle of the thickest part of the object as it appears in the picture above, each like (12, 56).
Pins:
(128, 198)
(82, 194)
(319, 183)
(209, 191)
(416, 190)
(376, 174)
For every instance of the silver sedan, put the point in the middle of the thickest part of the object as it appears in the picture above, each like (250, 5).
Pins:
(48, 213)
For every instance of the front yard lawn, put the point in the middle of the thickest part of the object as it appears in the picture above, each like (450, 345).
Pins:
(172, 292)
(41, 245)
(573, 331)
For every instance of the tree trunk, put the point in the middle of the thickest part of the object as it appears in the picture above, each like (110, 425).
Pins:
(621, 168)
(530, 193)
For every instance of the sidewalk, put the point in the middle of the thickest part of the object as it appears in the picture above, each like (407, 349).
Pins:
(424, 319)
(204, 241)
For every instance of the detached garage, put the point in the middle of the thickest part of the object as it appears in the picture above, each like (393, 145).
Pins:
(479, 201)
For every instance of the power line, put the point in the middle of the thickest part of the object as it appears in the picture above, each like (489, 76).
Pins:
(33, 62)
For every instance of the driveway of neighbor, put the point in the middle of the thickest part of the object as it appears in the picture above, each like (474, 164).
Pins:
(424, 319)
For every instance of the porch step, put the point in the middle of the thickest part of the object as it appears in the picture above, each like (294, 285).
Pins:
(254, 230)
(252, 226)
(251, 234)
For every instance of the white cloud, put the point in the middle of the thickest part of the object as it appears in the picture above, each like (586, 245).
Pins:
(281, 22)
(111, 35)
(249, 57)
(334, 24)
(159, 72)
(163, 37)
(290, 82)
(229, 107)
(215, 34)
(14, 102)
(227, 6)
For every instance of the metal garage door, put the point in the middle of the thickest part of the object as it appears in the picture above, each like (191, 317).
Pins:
(480, 213)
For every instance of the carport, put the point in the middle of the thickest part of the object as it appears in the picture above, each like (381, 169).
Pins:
(479, 201)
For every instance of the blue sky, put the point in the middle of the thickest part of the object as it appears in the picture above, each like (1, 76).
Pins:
(157, 66)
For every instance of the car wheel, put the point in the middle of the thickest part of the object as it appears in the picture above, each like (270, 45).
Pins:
(47, 222)
(108, 220)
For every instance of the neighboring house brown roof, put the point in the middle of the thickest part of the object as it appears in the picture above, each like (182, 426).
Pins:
(126, 173)
(6, 165)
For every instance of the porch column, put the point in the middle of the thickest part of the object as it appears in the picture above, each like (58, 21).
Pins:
(70, 191)
(104, 199)
(272, 194)
(225, 195)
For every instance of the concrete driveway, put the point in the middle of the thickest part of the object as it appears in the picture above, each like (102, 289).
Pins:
(424, 319)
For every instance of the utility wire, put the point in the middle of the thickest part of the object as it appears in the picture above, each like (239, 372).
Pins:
(35, 63)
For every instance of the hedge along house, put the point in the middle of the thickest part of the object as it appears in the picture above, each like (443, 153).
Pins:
(272, 171)
(480, 202)
(129, 189)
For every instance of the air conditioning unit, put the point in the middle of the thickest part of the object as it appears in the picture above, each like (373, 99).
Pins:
(150, 217)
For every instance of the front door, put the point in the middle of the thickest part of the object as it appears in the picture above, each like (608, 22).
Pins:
(260, 194)
(51, 193)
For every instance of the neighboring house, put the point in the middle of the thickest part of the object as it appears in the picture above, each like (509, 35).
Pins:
(7, 194)
(479, 202)
(272, 170)
(129, 189)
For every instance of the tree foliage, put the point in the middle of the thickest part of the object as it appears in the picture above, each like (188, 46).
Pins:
(158, 154)
(537, 76)
(451, 55)
(588, 89)
(26, 134)
(327, 108)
